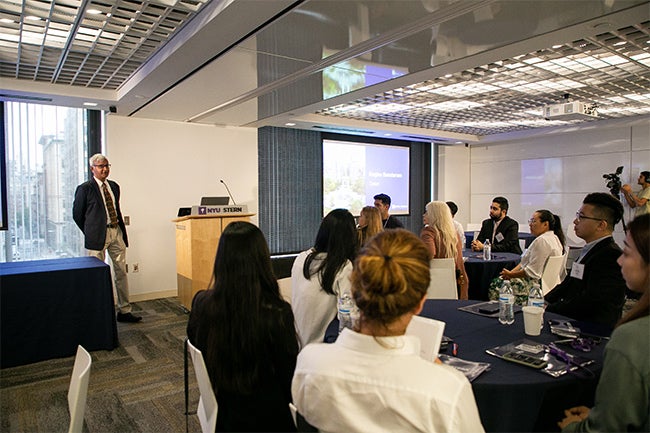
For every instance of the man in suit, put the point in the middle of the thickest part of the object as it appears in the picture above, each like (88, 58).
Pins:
(382, 202)
(96, 210)
(594, 291)
(500, 229)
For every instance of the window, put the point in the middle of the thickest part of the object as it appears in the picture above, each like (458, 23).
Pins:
(46, 158)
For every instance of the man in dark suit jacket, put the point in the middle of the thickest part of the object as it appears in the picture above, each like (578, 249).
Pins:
(96, 210)
(506, 236)
(594, 291)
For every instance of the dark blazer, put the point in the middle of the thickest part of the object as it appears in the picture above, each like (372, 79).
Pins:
(509, 228)
(89, 212)
(392, 223)
(600, 295)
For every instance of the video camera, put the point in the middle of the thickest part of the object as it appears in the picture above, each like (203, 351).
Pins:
(614, 181)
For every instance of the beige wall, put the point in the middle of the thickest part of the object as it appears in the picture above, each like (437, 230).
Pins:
(162, 166)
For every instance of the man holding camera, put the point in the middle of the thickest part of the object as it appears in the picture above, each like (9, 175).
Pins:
(640, 201)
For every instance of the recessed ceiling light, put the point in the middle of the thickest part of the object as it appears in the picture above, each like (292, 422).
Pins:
(94, 11)
(32, 18)
(90, 104)
(289, 124)
(387, 135)
(6, 20)
(617, 44)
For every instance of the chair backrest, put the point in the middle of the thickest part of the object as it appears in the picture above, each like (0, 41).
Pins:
(285, 288)
(443, 279)
(572, 256)
(522, 244)
(207, 409)
(299, 421)
(78, 390)
(551, 273)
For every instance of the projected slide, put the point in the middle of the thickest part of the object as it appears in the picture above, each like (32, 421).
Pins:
(354, 172)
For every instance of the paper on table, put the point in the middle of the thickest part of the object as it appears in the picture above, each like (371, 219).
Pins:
(429, 331)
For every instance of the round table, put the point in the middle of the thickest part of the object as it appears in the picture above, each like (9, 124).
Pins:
(511, 397)
(481, 272)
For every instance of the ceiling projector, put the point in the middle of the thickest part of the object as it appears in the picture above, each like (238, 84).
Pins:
(570, 111)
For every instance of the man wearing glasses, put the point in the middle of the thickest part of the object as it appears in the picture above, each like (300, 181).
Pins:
(594, 291)
(96, 210)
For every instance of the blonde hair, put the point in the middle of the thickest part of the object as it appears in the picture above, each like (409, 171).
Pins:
(374, 226)
(441, 221)
(390, 276)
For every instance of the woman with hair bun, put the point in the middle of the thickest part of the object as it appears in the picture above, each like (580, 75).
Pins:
(373, 378)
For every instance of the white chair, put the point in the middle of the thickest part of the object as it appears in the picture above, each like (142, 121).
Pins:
(285, 288)
(443, 279)
(207, 409)
(551, 273)
(78, 390)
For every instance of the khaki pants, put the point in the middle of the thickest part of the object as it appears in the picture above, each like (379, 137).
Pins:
(117, 252)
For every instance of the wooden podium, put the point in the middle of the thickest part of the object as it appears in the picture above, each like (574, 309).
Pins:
(197, 238)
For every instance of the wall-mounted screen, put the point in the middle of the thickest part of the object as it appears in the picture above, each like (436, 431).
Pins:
(354, 172)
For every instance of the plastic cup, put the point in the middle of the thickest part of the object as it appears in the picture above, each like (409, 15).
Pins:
(532, 319)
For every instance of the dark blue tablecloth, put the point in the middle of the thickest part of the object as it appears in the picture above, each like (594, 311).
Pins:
(510, 397)
(481, 272)
(48, 307)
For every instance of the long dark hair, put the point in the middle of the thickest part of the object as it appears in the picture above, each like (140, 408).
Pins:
(244, 285)
(554, 224)
(337, 238)
(639, 230)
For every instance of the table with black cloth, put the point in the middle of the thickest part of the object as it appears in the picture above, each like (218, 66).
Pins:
(511, 397)
(527, 237)
(481, 272)
(48, 307)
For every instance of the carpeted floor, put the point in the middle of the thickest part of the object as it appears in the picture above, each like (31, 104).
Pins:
(137, 387)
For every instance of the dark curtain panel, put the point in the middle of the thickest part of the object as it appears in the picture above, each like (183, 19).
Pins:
(93, 135)
(291, 185)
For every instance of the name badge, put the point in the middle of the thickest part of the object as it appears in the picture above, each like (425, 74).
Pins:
(577, 270)
(499, 237)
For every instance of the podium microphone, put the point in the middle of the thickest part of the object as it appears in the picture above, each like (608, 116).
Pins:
(228, 189)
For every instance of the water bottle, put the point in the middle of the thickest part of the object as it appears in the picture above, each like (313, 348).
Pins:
(348, 312)
(487, 250)
(535, 298)
(506, 304)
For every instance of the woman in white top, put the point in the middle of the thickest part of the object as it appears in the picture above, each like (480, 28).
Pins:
(372, 379)
(319, 274)
(549, 241)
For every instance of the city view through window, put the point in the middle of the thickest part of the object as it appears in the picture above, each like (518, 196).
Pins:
(46, 160)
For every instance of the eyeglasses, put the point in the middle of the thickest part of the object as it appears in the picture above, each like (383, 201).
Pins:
(532, 220)
(580, 216)
(102, 165)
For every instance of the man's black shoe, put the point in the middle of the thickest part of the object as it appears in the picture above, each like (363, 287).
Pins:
(128, 317)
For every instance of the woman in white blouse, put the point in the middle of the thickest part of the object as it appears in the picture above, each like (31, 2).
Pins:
(372, 379)
(321, 273)
(549, 241)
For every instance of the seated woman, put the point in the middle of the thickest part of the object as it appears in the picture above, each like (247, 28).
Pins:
(549, 241)
(246, 333)
(442, 240)
(369, 224)
(373, 378)
(622, 397)
(319, 274)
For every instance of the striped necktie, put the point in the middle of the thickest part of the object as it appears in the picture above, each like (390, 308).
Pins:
(110, 207)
